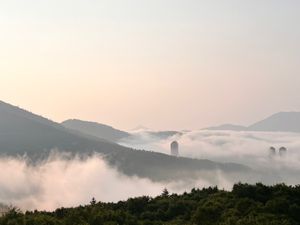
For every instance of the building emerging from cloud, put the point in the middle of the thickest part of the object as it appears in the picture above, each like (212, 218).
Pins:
(175, 148)
(282, 151)
(272, 151)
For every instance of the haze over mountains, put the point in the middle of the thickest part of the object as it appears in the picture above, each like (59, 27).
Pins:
(112, 134)
(24, 132)
(224, 144)
(279, 122)
(96, 129)
(210, 158)
(283, 122)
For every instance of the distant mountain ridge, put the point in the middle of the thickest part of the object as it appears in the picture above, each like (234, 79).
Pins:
(96, 129)
(227, 127)
(279, 122)
(111, 134)
(22, 132)
(283, 121)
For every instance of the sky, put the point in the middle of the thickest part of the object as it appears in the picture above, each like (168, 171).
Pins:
(163, 64)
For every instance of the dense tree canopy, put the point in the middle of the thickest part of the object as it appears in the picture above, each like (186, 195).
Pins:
(244, 205)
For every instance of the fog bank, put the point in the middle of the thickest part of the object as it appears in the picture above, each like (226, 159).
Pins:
(248, 148)
(61, 181)
(70, 181)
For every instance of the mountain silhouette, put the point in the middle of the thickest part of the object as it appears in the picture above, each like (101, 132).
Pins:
(96, 129)
(279, 122)
(283, 121)
(22, 132)
(109, 133)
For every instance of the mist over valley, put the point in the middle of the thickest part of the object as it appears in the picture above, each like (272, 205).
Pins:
(47, 165)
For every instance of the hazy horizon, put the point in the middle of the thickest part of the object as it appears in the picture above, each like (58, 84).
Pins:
(197, 103)
(161, 64)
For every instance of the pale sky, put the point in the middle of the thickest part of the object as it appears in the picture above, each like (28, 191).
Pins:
(164, 64)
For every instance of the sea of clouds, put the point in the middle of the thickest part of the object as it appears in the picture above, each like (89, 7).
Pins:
(244, 147)
(249, 148)
(63, 181)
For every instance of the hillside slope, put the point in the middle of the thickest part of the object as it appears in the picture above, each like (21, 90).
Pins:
(283, 121)
(279, 122)
(96, 129)
(23, 132)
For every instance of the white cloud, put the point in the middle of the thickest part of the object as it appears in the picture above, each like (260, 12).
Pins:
(70, 181)
(248, 148)
(62, 180)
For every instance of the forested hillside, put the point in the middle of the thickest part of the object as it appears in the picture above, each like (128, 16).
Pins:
(244, 205)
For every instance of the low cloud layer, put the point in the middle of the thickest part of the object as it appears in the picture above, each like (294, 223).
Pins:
(248, 148)
(58, 182)
(70, 181)
(66, 181)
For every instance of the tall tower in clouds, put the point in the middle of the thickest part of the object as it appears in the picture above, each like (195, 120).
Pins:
(175, 148)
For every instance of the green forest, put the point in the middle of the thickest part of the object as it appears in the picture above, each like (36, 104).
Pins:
(245, 205)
